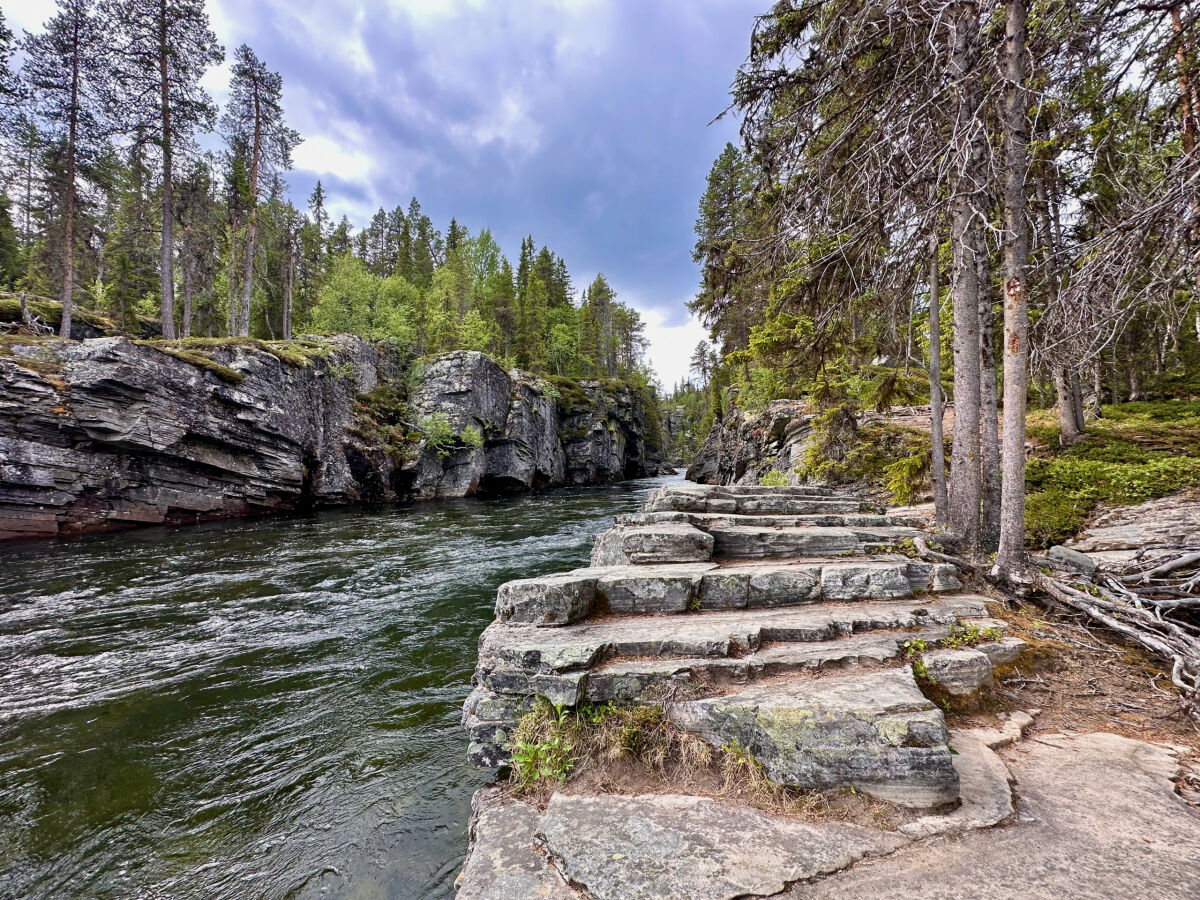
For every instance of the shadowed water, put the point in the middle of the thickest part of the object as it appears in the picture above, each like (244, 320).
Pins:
(260, 709)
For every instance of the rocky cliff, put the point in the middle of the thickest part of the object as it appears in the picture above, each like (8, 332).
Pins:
(742, 447)
(108, 433)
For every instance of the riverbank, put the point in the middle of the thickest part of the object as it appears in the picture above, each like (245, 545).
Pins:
(264, 708)
(108, 433)
(752, 689)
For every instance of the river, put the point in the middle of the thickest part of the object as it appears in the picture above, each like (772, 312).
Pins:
(259, 709)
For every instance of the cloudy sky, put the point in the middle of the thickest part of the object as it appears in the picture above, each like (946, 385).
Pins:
(585, 123)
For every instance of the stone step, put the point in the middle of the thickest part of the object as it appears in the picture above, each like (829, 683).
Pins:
(873, 731)
(652, 543)
(757, 542)
(635, 680)
(523, 660)
(705, 520)
(754, 506)
(556, 600)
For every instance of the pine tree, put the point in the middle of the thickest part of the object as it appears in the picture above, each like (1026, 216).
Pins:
(164, 48)
(66, 67)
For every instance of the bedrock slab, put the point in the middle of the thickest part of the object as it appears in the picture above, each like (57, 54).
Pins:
(503, 864)
(756, 542)
(664, 542)
(1097, 817)
(873, 731)
(555, 600)
(708, 635)
(959, 672)
(672, 846)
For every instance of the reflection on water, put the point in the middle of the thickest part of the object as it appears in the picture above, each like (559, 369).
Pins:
(258, 709)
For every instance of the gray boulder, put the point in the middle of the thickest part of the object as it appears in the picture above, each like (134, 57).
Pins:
(668, 542)
(873, 731)
(547, 600)
(959, 672)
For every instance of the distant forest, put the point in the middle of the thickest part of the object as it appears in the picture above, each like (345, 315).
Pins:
(111, 207)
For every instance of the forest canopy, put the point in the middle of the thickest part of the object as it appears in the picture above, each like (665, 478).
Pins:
(113, 206)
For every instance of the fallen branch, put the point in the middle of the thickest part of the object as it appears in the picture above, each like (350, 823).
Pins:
(933, 555)
(1179, 562)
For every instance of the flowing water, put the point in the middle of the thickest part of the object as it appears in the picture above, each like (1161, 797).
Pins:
(260, 709)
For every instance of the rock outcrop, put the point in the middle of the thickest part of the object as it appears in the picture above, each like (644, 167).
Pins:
(742, 447)
(807, 650)
(108, 433)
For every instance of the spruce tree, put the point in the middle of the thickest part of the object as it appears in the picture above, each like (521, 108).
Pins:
(66, 67)
(255, 114)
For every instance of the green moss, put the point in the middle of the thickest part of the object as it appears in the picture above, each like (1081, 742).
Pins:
(773, 478)
(201, 361)
(50, 312)
(43, 360)
(570, 393)
(1135, 452)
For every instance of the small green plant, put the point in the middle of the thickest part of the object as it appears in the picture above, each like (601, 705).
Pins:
(921, 672)
(969, 635)
(914, 647)
(343, 369)
(438, 434)
(773, 478)
(542, 746)
(472, 437)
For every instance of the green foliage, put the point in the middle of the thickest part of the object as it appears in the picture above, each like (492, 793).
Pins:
(542, 748)
(969, 636)
(472, 437)
(1136, 452)
(773, 478)
(550, 742)
(438, 433)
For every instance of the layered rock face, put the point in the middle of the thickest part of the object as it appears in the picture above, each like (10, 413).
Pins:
(529, 440)
(108, 433)
(741, 448)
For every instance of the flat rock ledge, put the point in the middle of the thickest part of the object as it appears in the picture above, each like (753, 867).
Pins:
(1093, 816)
(875, 732)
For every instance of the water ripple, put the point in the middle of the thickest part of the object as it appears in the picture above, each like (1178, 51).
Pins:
(261, 709)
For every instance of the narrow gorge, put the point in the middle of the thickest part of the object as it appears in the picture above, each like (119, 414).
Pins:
(110, 433)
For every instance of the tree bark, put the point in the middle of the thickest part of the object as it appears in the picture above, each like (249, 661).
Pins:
(1010, 556)
(936, 411)
(989, 413)
(1186, 112)
(233, 285)
(1097, 389)
(1068, 424)
(289, 269)
(966, 239)
(185, 329)
(1077, 402)
(166, 251)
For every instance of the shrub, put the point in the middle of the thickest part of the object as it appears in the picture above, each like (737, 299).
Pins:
(472, 437)
(438, 434)
(773, 478)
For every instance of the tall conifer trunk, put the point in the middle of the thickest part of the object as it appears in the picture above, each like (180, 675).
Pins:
(936, 407)
(966, 239)
(166, 251)
(1011, 554)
